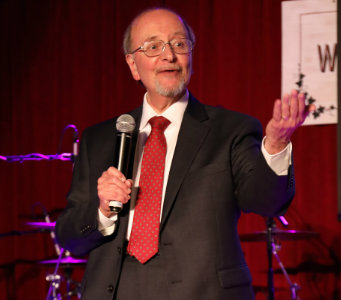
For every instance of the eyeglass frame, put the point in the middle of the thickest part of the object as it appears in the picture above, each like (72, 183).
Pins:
(164, 47)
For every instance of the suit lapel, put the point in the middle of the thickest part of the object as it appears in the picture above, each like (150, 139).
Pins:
(191, 136)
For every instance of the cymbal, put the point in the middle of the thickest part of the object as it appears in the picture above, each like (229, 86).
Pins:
(42, 225)
(279, 234)
(65, 260)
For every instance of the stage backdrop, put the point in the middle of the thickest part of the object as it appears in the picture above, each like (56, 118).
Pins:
(61, 63)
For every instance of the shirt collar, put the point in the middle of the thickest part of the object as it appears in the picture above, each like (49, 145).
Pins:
(174, 113)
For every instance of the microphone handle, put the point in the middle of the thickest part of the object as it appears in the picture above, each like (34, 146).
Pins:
(115, 206)
(122, 165)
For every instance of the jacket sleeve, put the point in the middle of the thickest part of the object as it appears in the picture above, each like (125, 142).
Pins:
(257, 187)
(77, 226)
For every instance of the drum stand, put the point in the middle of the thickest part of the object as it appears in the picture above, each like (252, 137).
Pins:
(272, 249)
(73, 287)
(55, 279)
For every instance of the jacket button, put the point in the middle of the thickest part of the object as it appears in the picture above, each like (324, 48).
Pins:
(110, 288)
(119, 250)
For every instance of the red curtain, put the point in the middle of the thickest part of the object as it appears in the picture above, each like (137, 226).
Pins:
(61, 63)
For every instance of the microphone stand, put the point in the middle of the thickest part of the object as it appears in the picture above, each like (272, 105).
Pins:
(272, 250)
(269, 244)
(55, 279)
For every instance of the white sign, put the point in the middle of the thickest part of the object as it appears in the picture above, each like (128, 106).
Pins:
(309, 57)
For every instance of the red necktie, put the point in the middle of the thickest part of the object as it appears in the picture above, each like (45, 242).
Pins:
(144, 237)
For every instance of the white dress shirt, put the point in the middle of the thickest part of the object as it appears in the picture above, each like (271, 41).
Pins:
(279, 162)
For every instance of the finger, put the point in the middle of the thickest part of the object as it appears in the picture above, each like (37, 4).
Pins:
(277, 111)
(108, 179)
(113, 177)
(293, 105)
(302, 109)
(109, 186)
(107, 194)
(117, 195)
(310, 108)
(115, 172)
(121, 183)
(285, 107)
(114, 184)
(129, 183)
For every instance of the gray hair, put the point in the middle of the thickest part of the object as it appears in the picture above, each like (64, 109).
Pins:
(127, 34)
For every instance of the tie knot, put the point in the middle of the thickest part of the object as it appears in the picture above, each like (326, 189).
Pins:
(160, 123)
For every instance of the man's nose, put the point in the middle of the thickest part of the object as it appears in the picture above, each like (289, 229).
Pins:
(168, 52)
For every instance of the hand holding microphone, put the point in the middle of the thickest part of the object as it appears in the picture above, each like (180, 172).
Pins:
(113, 187)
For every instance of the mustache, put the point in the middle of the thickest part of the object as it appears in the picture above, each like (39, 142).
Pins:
(169, 68)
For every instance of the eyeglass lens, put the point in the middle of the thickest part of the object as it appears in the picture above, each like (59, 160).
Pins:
(179, 46)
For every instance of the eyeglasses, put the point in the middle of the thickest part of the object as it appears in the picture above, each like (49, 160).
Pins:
(155, 48)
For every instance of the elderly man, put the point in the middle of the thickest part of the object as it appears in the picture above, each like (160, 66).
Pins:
(196, 167)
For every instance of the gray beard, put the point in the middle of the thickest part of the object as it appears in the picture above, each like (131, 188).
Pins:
(170, 92)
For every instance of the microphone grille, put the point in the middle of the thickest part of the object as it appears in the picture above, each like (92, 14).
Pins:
(125, 123)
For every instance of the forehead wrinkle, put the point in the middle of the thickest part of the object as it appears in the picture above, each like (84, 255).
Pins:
(172, 37)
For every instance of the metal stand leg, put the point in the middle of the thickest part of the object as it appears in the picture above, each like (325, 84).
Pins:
(272, 250)
(55, 279)
(294, 287)
(54, 293)
(72, 287)
(271, 289)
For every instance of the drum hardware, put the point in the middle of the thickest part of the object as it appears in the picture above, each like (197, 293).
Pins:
(18, 232)
(64, 260)
(58, 156)
(294, 287)
(37, 156)
(73, 287)
(53, 293)
(272, 251)
(271, 236)
(54, 278)
(278, 234)
(42, 225)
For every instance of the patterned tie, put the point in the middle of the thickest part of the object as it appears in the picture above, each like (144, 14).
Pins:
(144, 237)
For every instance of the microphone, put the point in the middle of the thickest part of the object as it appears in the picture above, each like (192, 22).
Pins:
(125, 126)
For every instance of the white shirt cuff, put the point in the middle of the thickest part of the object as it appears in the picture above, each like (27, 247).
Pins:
(106, 225)
(279, 162)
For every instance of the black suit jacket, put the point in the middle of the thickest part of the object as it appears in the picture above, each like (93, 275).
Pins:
(217, 171)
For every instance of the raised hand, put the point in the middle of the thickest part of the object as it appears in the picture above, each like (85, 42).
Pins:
(288, 114)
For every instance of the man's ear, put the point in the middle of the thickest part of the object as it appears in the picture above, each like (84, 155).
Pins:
(131, 63)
